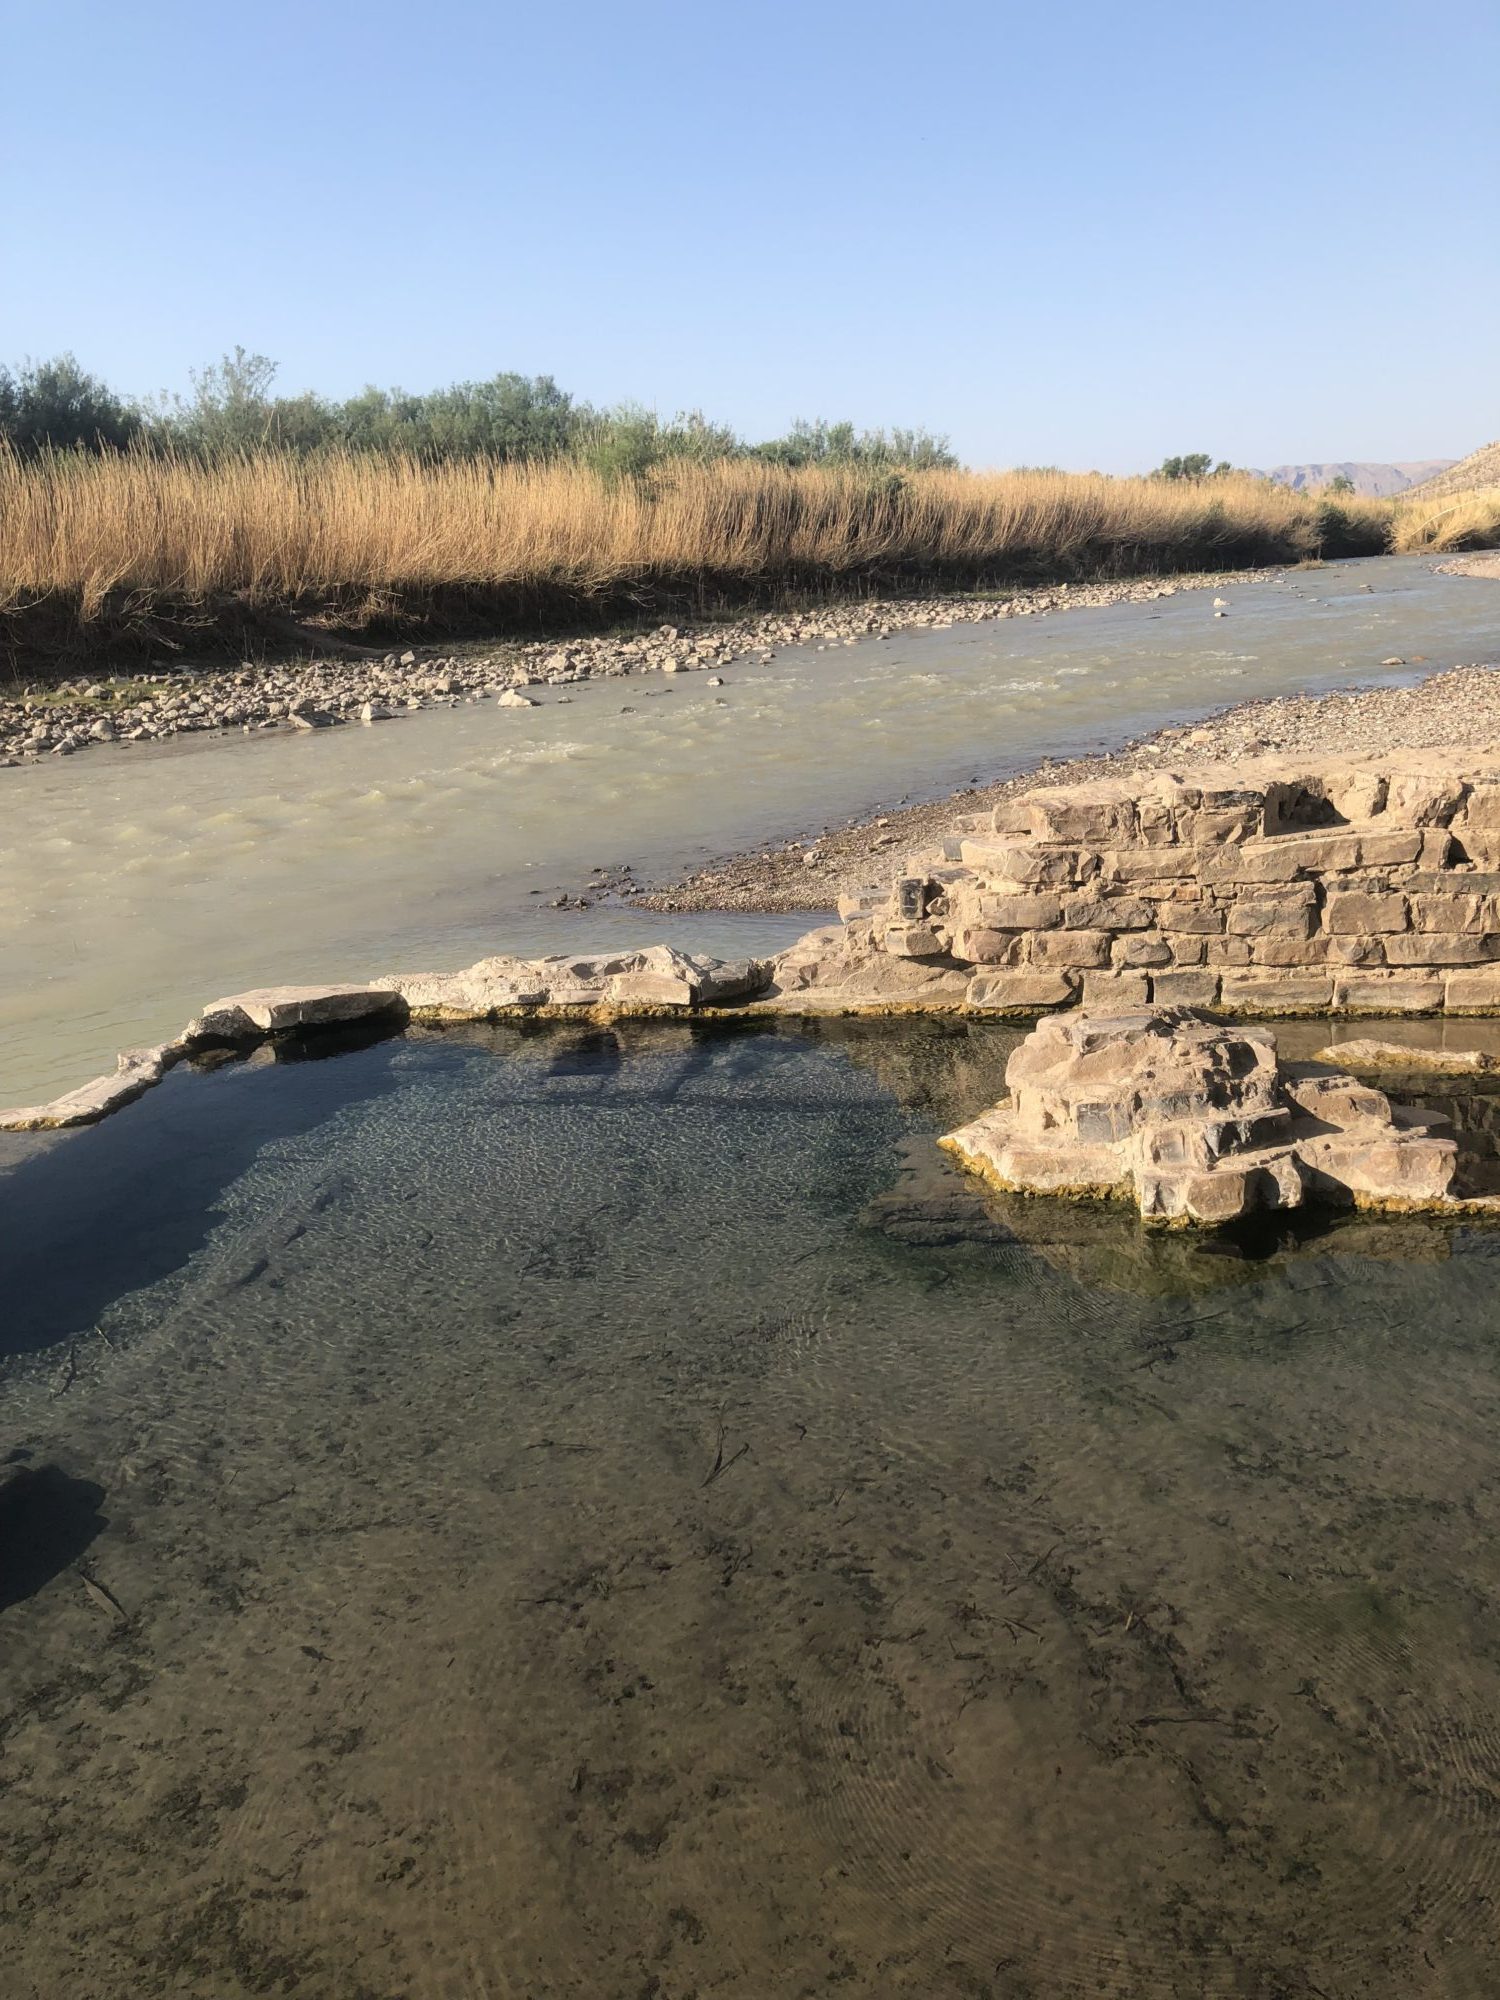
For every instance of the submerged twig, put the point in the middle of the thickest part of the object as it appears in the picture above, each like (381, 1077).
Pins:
(105, 1599)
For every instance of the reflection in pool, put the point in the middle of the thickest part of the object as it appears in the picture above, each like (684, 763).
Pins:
(619, 1514)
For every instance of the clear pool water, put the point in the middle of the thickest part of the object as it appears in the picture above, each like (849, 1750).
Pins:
(620, 1514)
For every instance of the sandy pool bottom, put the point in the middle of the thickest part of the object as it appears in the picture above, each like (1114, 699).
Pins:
(618, 1514)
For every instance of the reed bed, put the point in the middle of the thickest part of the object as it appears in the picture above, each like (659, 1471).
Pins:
(1449, 523)
(358, 539)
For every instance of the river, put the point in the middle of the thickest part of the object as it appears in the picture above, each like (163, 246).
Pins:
(138, 881)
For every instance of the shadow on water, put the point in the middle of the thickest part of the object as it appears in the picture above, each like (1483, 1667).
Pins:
(100, 1211)
(47, 1519)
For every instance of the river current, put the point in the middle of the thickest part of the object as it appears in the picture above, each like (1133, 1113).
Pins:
(137, 882)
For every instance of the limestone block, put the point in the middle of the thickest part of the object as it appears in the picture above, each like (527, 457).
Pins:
(1293, 911)
(1027, 867)
(649, 989)
(1012, 816)
(1331, 1096)
(1347, 950)
(720, 980)
(1113, 990)
(1430, 912)
(1189, 950)
(1147, 864)
(862, 902)
(1226, 951)
(821, 957)
(1364, 912)
(1405, 1169)
(1078, 949)
(1019, 992)
(985, 911)
(1140, 949)
(1184, 989)
(1397, 846)
(1356, 794)
(913, 941)
(977, 946)
(1217, 826)
(1455, 881)
(1091, 815)
(1206, 918)
(269, 1010)
(1387, 993)
(1276, 949)
(1267, 991)
(1424, 798)
(1107, 913)
(1473, 992)
(1156, 822)
(1288, 858)
(1481, 810)
(1441, 948)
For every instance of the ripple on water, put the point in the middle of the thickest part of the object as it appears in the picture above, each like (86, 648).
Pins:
(547, 1490)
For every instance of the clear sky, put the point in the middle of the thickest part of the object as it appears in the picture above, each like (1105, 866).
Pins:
(1079, 233)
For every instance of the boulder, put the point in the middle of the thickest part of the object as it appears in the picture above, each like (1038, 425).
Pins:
(1198, 1123)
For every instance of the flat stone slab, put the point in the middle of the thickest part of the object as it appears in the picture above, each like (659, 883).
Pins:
(1369, 1057)
(136, 1071)
(271, 1010)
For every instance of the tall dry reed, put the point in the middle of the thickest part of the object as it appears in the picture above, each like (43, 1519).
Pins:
(1449, 522)
(273, 530)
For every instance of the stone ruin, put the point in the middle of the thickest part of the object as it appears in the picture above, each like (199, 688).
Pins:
(1197, 1122)
(1369, 886)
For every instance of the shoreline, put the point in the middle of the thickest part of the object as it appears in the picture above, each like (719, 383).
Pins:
(58, 719)
(1456, 706)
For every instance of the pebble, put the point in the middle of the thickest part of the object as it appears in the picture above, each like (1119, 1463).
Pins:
(59, 717)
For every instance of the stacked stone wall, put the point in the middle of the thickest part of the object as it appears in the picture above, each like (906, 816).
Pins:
(1370, 888)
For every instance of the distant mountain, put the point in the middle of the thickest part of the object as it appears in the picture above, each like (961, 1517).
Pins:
(1463, 475)
(1378, 481)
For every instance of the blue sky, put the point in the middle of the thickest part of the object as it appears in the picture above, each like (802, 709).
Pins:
(1079, 234)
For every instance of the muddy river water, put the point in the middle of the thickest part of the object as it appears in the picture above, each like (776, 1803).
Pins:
(138, 881)
(520, 1514)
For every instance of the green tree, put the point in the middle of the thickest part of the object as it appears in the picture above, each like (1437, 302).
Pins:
(1192, 465)
(823, 443)
(1341, 483)
(626, 442)
(57, 403)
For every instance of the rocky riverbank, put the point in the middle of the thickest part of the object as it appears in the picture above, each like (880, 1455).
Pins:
(1480, 565)
(57, 719)
(1450, 710)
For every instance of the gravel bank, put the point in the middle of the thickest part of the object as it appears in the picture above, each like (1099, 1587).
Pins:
(59, 719)
(1455, 708)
